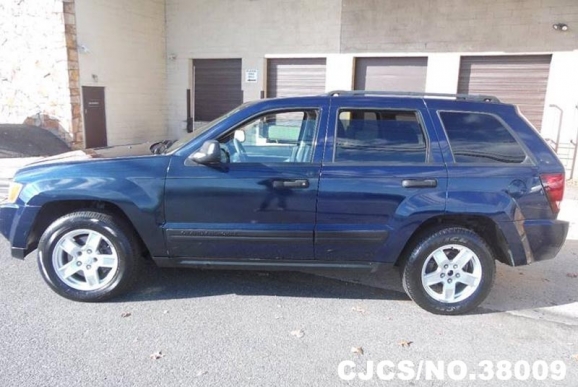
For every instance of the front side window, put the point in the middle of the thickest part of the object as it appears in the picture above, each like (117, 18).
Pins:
(382, 136)
(480, 138)
(274, 137)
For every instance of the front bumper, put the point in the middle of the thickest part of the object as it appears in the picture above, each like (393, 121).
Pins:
(16, 222)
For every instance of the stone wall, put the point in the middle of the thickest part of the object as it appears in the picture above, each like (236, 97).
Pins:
(34, 76)
(73, 72)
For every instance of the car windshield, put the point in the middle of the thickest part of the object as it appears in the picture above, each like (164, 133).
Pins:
(197, 132)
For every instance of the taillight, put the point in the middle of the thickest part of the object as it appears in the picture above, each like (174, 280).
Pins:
(553, 184)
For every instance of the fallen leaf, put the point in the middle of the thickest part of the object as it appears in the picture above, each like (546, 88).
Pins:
(298, 333)
(359, 309)
(126, 314)
(572, 275)
(357, 350)
(201, 373)
(575, 357)
(157, 355)
(405, 343)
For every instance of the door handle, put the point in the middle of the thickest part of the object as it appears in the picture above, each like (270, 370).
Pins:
(300, 183)
(419, 183)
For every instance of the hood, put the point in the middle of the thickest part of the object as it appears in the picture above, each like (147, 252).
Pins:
(108, 152)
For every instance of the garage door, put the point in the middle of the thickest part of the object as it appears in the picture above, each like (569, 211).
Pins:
(391, 74)
(521, 80)
(291, 77)
(217, 85)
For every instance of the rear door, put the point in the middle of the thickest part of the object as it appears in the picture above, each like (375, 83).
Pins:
(382, 174)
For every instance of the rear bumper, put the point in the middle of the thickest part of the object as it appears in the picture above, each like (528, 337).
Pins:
(534, 240)
(546, 238)
(16, 221)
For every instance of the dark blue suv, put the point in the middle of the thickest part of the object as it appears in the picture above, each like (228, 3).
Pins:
(440, 185)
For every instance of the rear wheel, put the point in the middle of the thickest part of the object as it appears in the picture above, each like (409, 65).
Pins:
(449, 271)
(89, 256)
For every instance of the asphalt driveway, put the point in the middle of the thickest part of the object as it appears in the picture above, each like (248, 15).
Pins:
(226, 328)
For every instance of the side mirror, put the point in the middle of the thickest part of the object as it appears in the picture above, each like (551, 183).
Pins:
(210, 153)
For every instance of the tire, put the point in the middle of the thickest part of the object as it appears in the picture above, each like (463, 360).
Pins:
(451, 257)
(89, 256)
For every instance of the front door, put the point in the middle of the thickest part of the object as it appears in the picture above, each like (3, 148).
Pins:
(259, 202)
(94, 116)
(379, 176)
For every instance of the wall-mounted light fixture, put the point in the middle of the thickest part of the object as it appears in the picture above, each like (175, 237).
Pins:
(95, 78)
(560, 27)
(172, 56)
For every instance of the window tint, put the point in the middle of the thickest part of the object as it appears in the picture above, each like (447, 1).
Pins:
(273, 137)
(480, 138)
(379, 136)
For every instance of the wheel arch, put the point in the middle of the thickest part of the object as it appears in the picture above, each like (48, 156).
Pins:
(51, 211)
(482, 225)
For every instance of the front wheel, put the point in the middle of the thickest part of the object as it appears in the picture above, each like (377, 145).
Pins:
(88, 256)
(451, 271)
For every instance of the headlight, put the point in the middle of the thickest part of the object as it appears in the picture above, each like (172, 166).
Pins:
(14, 191)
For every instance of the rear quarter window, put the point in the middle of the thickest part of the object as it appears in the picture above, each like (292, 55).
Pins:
(480, 138)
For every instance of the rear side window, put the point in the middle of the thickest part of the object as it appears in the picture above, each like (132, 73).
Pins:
(481, 138)
(370, 136)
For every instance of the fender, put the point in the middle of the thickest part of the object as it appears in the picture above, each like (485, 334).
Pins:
(135, 185)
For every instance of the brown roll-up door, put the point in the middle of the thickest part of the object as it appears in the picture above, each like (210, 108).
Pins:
(517, 79)
(290, 77)
(391, 74)
(218, 87)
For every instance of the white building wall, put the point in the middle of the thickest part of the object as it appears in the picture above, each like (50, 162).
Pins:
(127, 55)
(340, 72)
(443, 72)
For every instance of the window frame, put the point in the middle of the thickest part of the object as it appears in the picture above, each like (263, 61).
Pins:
(318, 109)
(528, 161)
(420, 120)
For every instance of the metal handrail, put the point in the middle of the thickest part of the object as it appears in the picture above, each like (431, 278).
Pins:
(466, 97)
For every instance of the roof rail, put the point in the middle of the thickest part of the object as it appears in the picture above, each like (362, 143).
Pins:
(465, 97)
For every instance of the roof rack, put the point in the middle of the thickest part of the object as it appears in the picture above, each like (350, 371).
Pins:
(465, 97)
